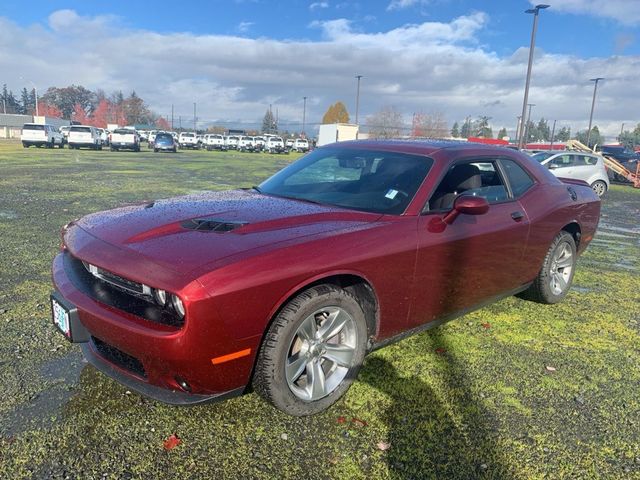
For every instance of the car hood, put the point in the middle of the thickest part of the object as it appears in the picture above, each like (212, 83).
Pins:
(186, 233)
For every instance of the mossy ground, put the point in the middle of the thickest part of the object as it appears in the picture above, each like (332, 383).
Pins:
(471, 399)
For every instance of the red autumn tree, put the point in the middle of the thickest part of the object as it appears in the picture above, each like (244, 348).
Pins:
(79, 115)
(162, 124)
(47, 110)
(101, 114)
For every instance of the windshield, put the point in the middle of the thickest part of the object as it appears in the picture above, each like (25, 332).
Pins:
(542, 156)
(372, 181)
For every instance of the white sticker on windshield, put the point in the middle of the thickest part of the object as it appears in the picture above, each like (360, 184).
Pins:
(391, 194)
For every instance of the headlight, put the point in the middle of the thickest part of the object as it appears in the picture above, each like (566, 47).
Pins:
(178, 306)
(160, 296)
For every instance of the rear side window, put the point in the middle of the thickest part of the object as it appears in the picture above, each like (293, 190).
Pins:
(519, 179)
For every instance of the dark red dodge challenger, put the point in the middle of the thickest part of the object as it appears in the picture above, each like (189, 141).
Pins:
(286, 287)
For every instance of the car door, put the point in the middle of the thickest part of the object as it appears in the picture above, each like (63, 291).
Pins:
(477, 257)
(562, 165)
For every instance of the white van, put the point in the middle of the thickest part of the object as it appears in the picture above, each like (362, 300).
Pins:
(41, 135)
(84, 136)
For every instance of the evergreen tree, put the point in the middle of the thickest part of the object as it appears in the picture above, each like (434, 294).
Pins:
(502, 133)
(543, 131)
(32, 100)
(269, 124)
(563, 135)
(466, 130)
(483, 128)
(455, 130)
(24, 95)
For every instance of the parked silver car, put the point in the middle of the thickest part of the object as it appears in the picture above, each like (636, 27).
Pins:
(578, 165)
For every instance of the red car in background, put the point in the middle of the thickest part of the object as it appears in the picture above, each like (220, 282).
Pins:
(285, 287)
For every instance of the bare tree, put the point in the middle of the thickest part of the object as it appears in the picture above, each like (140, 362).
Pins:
(430, 125)
(386, 123)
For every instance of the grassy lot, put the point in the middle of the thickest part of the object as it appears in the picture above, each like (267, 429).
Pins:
(516, 390)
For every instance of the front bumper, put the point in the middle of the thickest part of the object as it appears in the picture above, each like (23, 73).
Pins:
(153, 358)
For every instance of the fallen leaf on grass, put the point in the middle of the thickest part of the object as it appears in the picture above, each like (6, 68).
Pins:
(550, 368)
(172, 442)
(486, 325)
(358, 423)
(383, 446)
(341, 420)
(441, 351)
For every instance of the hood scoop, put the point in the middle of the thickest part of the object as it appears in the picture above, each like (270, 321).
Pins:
(211, 225)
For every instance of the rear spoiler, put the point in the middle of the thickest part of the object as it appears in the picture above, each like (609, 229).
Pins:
(573, 181)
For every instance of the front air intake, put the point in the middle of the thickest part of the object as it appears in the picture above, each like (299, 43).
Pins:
(211, 225)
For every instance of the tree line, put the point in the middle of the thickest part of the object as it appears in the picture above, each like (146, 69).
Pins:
(82, 105)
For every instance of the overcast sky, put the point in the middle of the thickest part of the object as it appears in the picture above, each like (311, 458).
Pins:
(234, 58)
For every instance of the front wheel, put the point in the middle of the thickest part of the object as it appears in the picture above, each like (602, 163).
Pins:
(554, 280)
(312, 351)
(599, 187)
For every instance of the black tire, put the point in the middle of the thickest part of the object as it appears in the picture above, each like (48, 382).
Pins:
(155, 150)
(270, 380)
(175, 150)
(542, 289)
(61, 145)
(25, 145)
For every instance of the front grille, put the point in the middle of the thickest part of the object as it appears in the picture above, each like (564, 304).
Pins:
(119, 358)
(110, 294)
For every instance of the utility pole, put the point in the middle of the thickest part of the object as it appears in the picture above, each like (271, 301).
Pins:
(304, 113)
(593, 103)
(358, 98)
(180, 122)
(518, 127)
(553, 133)
(194, 118)
(535, 11)
(172, 116)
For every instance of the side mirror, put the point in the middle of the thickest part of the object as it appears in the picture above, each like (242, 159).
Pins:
(467, 204)
(552, 166)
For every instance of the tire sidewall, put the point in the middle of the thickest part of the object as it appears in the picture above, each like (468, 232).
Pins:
(545, 274)
(281, 395)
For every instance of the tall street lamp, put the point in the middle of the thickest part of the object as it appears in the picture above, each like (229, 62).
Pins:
(358, 98)
(593, 103)
(304, 113)
(535, 11)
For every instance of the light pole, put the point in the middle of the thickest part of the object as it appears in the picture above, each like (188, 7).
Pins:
(553, 133)
(535, 11)
(304, 113)
(518, 127)
(593, 103)
(195, 130)
(358, 98)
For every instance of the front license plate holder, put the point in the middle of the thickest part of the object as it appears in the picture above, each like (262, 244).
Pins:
(65, 317)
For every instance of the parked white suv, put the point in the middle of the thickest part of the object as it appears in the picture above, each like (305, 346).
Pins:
(84, 136)
(301, 145)
(246, 144)
(41, 135)
(188, 140)
(259, 143)
(232, 142)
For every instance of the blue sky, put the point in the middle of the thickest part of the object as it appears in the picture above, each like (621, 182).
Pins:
(235, 58)
(559, 31)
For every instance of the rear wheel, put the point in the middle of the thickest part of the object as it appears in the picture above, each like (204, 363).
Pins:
(312, 351)
(554, 280)
(599, 187)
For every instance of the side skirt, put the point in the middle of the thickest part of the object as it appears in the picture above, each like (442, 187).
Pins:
(439, 321)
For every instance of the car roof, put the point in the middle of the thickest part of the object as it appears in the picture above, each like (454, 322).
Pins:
(425, 147)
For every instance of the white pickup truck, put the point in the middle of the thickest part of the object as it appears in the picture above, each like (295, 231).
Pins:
(301, 145)
(246, 144)
(188, 140)
(41, 135)
(275, 145)
(124, 139)
(214, 141)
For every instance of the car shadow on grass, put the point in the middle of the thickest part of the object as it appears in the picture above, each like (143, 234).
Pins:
(436, 429)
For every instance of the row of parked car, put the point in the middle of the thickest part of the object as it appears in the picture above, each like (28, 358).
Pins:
(243, 143)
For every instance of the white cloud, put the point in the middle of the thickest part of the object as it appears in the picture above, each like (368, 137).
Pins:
(243, 27)
(318, 5)
(400, 4)
(623, 11)
(430, 66)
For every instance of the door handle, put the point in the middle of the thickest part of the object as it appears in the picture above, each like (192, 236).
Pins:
(517, 216)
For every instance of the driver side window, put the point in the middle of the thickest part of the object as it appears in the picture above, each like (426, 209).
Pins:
(480, 178)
